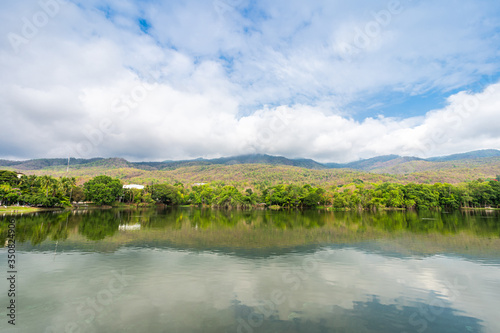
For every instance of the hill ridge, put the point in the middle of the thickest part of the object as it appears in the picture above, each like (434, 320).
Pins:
(382, 163)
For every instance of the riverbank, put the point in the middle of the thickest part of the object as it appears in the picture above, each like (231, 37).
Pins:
(479, 208)
(23, 209)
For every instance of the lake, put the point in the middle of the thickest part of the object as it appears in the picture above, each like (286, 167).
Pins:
(203, 270)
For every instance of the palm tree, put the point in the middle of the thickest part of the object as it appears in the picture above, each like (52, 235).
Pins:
(67, 185)
(46, 183)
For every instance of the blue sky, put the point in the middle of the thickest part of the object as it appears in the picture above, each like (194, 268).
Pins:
(330, 80)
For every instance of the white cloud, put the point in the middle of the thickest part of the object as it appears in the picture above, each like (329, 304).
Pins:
(276, 78)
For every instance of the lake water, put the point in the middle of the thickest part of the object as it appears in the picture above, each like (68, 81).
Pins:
(202, 270)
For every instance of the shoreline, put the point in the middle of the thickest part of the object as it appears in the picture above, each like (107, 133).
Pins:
(11, 210)
(22, 210)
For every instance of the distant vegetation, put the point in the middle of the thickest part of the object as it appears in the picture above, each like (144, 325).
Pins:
(47, 191)
(354, 196)
(254, 175)
(381, 164)
(463, 180)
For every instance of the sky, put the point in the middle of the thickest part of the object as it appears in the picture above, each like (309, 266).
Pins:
(332, 80)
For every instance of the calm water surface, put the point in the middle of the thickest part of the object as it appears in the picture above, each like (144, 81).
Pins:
(195, 270)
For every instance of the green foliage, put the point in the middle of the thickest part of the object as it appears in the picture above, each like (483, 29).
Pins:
(360, 196)
(43, 191)
(103, 190)
(247, 185)
(167, 194)
(8, 178)
(77, 194)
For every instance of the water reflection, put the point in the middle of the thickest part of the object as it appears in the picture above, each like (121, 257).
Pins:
(234, 229)
(370, 316)
(196, 270)
(329, 290)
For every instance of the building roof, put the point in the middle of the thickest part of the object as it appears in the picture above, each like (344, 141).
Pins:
(139, 187)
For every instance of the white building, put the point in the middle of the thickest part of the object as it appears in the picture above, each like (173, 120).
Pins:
(139, 187)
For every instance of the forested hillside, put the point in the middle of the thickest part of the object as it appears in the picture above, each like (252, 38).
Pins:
(270, 170)
(251, 174)
(380, 164)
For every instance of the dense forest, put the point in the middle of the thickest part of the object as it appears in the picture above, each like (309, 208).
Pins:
(48, 191)
(37, 191)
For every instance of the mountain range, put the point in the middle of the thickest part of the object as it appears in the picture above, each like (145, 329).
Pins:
(392, 164)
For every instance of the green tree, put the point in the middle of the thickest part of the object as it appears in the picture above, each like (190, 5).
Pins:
(9, 178)
(46, 184)
(77, 194)
(103, 190)
(167, 194)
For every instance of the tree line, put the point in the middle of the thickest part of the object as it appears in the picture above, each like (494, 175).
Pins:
(37, 191)
(47, 191)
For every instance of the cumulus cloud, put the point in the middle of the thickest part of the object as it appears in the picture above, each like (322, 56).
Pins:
(149, 81)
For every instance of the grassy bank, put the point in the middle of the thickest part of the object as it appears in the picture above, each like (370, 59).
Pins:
(21, 209)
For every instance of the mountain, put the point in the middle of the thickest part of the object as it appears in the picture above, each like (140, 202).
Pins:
(392, 164)
(42, 163)
(404, 164)
(267, 159)
(373, 163)
(242, 159)
(470, 155)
